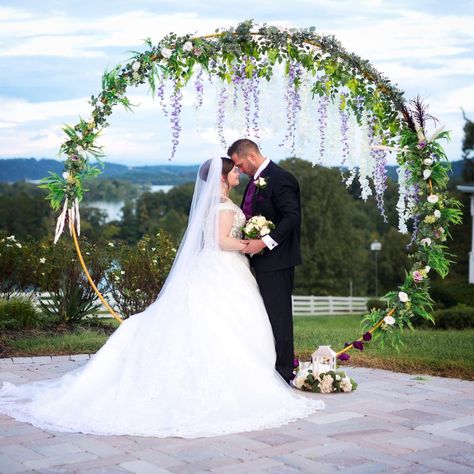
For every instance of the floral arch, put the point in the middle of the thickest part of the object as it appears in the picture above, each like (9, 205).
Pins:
(243, 59)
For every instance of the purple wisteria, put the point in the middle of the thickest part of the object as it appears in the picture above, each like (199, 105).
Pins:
(344, 128)
(199, 89)
(380, 168)
(223, 96)
(293, 104)
(323, 123)
(255, 87)
(176, 105)
(160, 92)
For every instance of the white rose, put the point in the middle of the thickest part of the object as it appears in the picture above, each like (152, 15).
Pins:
(136, 66)
(437, 213)
(300, 378)
(390, 320)
(426, 174)
(265, 230)
(166, 53)
(346, 385)
(433, 199)
(188, 46)
(403, 297)
(427, 269)
(425, 241)
(65, 175)
(427, 161)
(326, 385)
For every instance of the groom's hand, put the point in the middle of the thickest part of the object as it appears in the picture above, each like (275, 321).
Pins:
(254, 246)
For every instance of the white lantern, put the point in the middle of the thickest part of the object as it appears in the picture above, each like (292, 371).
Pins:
(324, 359)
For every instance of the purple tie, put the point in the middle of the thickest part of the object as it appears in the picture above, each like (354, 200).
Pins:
(247, 207)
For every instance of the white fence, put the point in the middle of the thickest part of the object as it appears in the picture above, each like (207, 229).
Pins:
(302, 305)
(319, 305)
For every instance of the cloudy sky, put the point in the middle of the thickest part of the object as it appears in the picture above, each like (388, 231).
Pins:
(53, 52)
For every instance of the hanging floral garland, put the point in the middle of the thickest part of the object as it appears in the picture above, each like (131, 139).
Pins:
(244, 57)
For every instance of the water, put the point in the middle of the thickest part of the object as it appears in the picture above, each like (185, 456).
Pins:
(113, 209)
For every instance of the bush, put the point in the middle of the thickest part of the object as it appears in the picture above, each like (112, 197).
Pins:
(19, 313)
(450, 293)
(139, 272)
(457, 317)
(376, 303)
(59, 273)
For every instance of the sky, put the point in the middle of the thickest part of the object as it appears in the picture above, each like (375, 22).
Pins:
(53, 53)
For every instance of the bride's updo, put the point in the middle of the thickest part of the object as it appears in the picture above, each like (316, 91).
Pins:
(227, 167)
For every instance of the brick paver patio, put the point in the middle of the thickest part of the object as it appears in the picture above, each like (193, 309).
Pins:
(392, 423)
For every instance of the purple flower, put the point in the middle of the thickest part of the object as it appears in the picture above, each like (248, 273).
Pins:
(74, 158)
(221, 115)
(421, 144)
(347, 344)
(296, 362)
(176, 105)
(367, 336)
(359, 345)
(343, 357)
(344, 115)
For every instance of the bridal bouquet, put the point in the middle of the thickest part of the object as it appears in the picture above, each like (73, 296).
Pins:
(256, 227)
(324, 382)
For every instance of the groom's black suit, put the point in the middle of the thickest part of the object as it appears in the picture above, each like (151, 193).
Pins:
(279, 202)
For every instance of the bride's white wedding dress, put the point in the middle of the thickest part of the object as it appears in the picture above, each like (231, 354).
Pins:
(198, 362)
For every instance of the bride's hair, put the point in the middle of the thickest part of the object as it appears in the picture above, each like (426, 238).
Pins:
(227, 167)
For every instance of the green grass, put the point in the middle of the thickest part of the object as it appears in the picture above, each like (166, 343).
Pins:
(434, 352)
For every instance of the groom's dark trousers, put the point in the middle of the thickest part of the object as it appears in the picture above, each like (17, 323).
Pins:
(279, 202)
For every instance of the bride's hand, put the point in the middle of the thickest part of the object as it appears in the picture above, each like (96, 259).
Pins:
(254, 246)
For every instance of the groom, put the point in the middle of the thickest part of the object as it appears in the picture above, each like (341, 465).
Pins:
(273, 193)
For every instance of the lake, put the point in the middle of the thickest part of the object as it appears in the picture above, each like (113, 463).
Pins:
(113, 209)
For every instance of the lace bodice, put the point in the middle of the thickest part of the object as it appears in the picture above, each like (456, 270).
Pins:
(239, 217)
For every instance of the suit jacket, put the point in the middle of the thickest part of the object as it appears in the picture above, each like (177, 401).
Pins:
(279, 202)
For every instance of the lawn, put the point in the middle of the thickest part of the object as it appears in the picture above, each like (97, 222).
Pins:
(427, 351)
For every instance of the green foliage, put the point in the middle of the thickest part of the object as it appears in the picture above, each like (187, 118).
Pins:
(58, 272)
(457, 317)
(375, 303)
(139, 272)
(19, 314)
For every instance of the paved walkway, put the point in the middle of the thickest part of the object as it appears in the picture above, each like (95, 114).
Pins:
(392, 423)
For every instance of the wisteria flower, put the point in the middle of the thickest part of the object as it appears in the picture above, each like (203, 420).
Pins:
(390, 320)
(433, 198)
(426, 174)
(403, 297)
(417, 276)
(166, 53)
(136, 66)
(188, 46)
(367, 336)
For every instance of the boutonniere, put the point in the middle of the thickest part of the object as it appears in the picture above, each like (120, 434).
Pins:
(261, 183)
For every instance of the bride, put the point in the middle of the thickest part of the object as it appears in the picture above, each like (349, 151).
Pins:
(197, 362)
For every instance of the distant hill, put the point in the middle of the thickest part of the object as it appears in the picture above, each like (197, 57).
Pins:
(25, 169)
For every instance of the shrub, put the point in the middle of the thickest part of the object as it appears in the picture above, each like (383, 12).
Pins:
(139, 272)
(19, 313)
(376, 303)
(457, 317)
(450, 293)
(59, 273)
